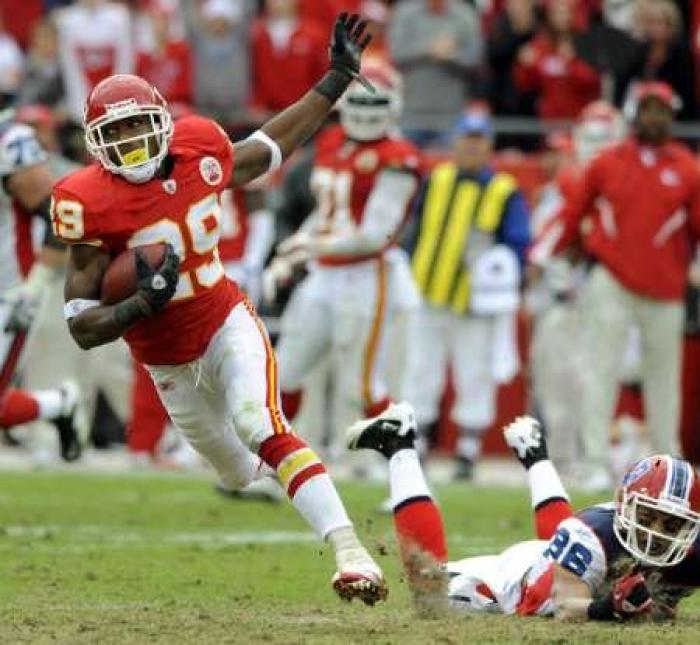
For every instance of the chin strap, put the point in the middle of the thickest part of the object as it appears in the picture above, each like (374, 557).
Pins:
(141, 174)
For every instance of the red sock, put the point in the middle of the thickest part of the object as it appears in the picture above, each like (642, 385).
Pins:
(291, 402)
(373, 409)
(293, 460)
(418, 525)
(16, 407)
(548, 515)
(148, 416)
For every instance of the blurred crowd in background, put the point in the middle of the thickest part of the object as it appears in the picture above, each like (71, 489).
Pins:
(533, 65)
(240, 60)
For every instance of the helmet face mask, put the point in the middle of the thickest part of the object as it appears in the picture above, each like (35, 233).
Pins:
(367, 116)
(655, 515)
(599, 125)
(128, 127)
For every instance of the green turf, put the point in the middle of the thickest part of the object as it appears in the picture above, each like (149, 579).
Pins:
(162, 559)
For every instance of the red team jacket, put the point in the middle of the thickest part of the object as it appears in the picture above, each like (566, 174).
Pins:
(344, 175)
(647, 216)
(97, 207)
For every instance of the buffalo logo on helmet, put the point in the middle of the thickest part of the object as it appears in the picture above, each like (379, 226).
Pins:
(211, 171)
(638, 471)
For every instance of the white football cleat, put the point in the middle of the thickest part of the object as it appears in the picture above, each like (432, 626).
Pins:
(360, 577)
(525, 437)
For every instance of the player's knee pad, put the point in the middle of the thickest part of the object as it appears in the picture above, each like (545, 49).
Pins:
(233, 462)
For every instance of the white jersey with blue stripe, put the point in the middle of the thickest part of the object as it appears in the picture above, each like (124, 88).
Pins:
(19, 149)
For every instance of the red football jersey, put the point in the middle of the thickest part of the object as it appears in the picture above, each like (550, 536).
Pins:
(95, 206)
(234, 226)
(343, 177)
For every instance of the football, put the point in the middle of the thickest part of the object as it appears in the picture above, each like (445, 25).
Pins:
(119, 281)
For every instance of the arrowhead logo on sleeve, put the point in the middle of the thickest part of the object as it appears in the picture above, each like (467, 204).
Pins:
(211, 171)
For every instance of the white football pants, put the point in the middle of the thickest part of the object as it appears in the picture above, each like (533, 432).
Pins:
(345, 312)
(438, 338)
(610, 310)
(226, 403)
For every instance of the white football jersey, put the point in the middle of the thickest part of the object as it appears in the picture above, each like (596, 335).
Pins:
(18, 149)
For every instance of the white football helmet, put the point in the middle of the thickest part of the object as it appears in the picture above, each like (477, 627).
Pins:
(599, 125)
(367, 116)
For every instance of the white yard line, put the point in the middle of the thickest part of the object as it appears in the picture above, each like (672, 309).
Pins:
(52, 537)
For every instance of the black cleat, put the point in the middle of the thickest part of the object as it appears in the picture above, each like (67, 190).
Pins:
(464, 470)
(391, 431)
(70, 445)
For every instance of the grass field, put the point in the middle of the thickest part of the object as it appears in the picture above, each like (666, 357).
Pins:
(162, 559)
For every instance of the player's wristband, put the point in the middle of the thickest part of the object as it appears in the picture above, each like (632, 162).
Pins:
(333, 84)
(128, 311)
(602, 609)
(275, 152)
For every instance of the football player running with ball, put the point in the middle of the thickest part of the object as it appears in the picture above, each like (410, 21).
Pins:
(635, 557)
(203, 344)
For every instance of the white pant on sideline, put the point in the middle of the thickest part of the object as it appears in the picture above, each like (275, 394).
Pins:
(438, 338)
(346, 311)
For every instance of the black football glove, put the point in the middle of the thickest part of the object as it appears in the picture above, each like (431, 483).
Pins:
(155, 287)
(347, 44)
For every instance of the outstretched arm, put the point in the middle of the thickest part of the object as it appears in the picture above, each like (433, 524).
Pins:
(628, 598)
(282, 134)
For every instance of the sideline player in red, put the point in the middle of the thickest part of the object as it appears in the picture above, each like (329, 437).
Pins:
(206, 349)
(364, 178)
(637, 556)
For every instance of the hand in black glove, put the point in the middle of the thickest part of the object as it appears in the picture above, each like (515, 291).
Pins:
(157, 286)
(347, 44)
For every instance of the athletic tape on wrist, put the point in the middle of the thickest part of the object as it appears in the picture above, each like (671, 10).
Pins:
(76, 307)
(275, 152)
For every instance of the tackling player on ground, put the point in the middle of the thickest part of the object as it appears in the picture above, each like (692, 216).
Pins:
(199, 337)
(637, 556)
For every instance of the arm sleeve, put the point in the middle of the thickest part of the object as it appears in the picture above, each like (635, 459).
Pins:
(382, 218)
(70, 222)
(261, 235)
(563, 228)
(515, 227)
